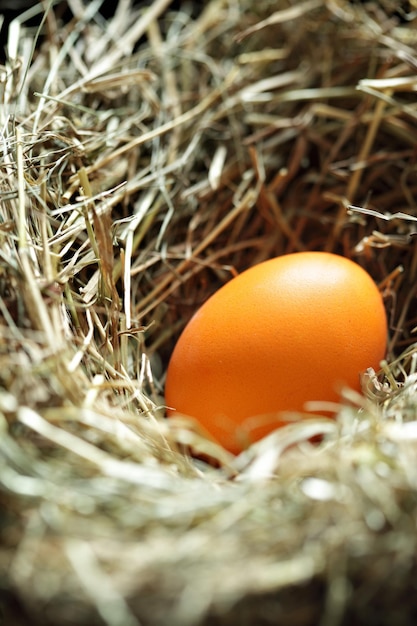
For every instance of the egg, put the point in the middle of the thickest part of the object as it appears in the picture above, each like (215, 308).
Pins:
(293, 329)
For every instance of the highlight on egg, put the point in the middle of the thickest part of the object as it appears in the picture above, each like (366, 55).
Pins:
(293, 329)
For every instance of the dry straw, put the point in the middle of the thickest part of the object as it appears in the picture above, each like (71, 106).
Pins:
(146, 158)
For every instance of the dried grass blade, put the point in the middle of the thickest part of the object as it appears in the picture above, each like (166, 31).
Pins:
(285, 15)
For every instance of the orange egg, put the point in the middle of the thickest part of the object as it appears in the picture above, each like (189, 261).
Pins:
(290, 330)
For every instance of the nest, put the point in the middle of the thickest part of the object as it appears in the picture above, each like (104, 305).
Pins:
(150, 153)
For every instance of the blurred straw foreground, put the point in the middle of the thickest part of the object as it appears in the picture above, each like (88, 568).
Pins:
(148, 154)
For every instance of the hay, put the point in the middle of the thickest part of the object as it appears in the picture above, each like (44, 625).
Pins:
(147, 157)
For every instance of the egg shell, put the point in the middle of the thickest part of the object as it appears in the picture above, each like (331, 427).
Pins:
(290, 330)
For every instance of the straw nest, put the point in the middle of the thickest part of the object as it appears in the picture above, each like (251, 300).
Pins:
(146, 157)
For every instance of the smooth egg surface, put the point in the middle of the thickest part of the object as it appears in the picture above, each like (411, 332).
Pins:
(290, 330)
